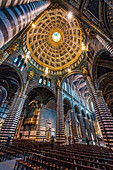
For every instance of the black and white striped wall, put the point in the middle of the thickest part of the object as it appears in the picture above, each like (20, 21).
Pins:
(14, 19)
(7, 3)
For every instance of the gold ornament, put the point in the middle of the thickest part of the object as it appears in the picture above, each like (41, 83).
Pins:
(58, 83)
(12, 49)
(31, 75)
(84, 69)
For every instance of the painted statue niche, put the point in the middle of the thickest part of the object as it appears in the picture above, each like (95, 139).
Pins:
(32, 113)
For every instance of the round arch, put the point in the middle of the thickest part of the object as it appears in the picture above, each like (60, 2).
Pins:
(76, 109)
(41, 93)
(18, 72)
(69, 74)
(98, 54)
(36, 86)
(83, 113)
(67, 106)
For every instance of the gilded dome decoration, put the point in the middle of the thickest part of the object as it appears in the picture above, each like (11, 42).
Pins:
(55, 41)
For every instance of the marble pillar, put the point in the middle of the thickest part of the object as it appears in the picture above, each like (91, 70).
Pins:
(103, 115)
(105, 44)
(11, 121)
(60, 117)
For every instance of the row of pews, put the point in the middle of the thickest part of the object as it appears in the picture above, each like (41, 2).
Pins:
(36, 155)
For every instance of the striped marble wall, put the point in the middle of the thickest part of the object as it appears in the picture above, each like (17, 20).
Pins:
(7, 3)
(14, 19)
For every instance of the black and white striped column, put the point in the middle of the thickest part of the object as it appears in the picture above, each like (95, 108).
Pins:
(103, 115)
(14, 19)
(105, 44)
(60, 117)
(10, 124)
(3, 57)
(106, 119)
(7, 3)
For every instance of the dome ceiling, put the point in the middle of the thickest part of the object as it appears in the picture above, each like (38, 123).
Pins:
(55, 41)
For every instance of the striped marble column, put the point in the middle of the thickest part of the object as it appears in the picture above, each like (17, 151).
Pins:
(106, 119)
(82, 127)
(103, 115)
(60, 117)
(7, 3)
(14, 19)
(10, 124)
(105, 44)
(39, 125)
(3, 57)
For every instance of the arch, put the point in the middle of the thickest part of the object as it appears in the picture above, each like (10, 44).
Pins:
(76, 109)
(88, 116)
(67, 106)
(47, 87)
(95, 60)
(69, 74)
(83, 113)
(18, 73)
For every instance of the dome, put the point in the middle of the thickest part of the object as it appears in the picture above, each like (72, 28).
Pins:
(55, 41)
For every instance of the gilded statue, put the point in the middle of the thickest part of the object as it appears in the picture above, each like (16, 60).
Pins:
(13, 48)
(31, 75)
(58, 83)
(84, 69)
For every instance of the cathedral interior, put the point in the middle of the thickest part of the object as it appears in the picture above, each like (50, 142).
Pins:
(56, 72)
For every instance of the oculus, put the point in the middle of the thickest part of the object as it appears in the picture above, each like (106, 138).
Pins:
(56, 36)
